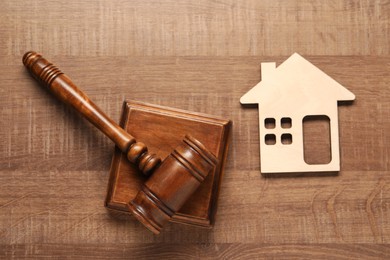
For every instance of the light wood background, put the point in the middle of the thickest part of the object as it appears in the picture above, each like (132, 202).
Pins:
(200, 56)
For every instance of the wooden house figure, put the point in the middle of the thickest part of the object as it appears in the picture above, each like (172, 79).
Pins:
(285, 96)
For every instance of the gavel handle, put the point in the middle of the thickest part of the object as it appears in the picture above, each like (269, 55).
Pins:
(65, 90)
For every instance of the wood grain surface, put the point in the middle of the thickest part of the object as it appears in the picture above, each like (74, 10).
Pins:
(199, 56)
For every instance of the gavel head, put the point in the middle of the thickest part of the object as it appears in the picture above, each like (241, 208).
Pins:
(172, 183)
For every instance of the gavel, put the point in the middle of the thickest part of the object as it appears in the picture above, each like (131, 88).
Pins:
(173, 181)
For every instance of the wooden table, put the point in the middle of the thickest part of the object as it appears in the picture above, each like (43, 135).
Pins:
(200, 56)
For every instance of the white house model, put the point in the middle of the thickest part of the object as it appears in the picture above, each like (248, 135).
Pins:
(285, 96)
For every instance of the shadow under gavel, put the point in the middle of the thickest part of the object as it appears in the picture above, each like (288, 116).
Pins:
(173, 181)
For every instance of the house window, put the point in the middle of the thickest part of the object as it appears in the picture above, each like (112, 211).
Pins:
(270, 139)
(285, 122)
(269, 123)
(285, 138)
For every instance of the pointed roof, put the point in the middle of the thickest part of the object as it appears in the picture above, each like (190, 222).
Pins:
(296, 74)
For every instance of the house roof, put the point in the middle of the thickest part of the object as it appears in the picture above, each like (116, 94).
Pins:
(296, 76)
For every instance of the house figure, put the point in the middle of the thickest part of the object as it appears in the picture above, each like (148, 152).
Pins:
(285, 96)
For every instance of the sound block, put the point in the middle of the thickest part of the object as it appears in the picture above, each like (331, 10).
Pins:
(163, 129)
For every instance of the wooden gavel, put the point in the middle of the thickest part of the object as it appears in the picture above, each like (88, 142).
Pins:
(65, 90)
(173, 181)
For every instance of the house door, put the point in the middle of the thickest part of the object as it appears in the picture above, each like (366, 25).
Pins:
(316, 139)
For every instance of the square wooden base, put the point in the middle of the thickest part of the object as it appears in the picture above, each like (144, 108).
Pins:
(162, 129)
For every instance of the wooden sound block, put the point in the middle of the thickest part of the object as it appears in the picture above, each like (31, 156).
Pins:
(164, 129)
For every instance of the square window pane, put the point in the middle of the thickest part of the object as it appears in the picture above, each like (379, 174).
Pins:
(269, 123)
(286, 139)
(270, 139)
(285, 122)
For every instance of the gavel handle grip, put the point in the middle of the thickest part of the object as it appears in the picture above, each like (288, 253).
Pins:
(66, 91)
